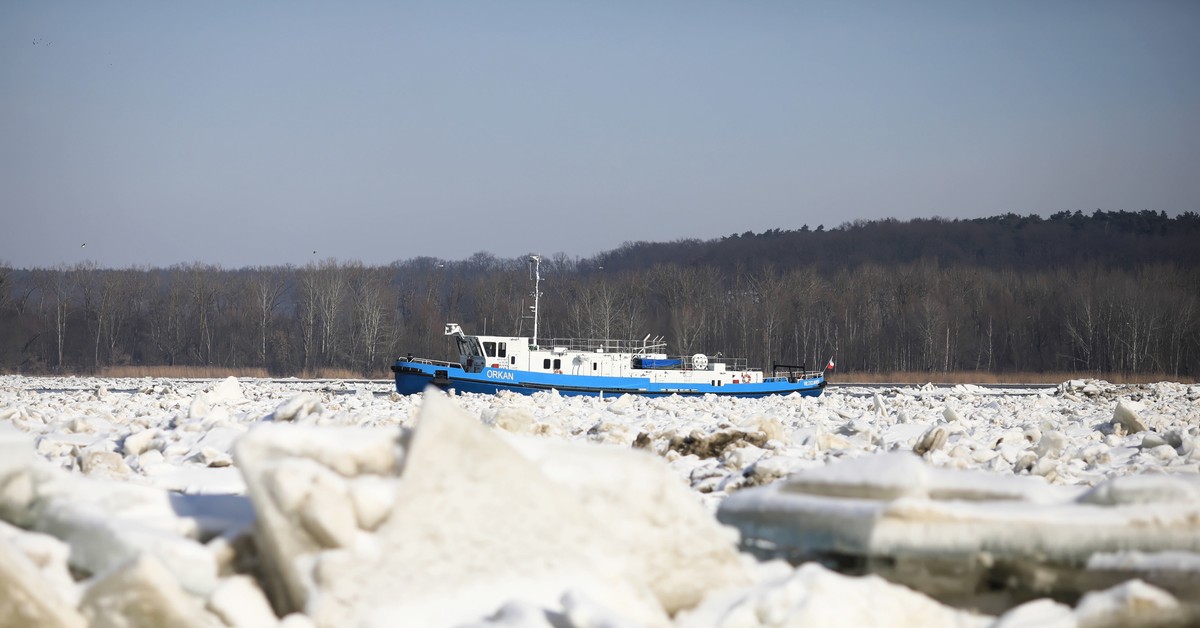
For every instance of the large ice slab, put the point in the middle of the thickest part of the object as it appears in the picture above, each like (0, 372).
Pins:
(141, 553)
(895, 514)
(812, 595)
(27, 596)
(107, 524)
(141, 592)
(470, 521)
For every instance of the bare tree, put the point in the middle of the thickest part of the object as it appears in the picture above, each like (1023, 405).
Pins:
(55, 286)
(1082, 325)
(6, 284)
(368, 289)
(331, 283)
(168, 315)
(688, 292)
(266, 287)
(97, 288)
(204, 290)
(307, 313)
(1182, 323)
(498, 299)
(129, 290)
(769, 292)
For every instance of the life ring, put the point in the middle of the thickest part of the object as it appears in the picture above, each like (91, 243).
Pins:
(558, 371)
(745, 378)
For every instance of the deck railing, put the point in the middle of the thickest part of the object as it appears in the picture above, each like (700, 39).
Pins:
(638, 348)
(410, 358)
(651, 345)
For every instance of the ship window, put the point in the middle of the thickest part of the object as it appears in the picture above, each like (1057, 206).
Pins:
(489, 348)
(502, 349)
(469, 346)
(557, 364)
(595, 365)
(512, 360)
(546, 364)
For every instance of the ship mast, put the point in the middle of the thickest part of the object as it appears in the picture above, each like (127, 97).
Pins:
(536, 260)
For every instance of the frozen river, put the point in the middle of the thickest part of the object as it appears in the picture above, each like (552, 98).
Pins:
(161, 456)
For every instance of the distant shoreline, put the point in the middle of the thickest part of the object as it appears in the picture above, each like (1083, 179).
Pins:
(834, 378)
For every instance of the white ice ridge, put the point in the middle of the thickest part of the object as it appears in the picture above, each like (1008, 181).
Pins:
(896, 506)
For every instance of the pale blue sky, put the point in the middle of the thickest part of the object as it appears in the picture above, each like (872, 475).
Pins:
(248, 133)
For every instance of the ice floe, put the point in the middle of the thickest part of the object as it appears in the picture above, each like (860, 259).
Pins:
(243, 502)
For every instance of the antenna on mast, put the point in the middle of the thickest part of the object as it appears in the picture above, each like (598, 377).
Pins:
(536, 271)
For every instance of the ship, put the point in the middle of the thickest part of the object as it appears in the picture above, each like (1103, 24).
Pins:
(490, 364)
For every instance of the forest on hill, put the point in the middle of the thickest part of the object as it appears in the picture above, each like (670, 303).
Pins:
(1116, 239)
(1107, 292)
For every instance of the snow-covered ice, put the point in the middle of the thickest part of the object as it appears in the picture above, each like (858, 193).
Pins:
(242, 501)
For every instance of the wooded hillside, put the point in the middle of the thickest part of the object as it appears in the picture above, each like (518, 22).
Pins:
(1094, 294)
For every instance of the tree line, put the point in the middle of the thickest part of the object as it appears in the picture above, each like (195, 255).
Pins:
(1120, 295)
(1118, 239)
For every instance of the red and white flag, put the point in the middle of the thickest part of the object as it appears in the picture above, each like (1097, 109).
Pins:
(829, 367)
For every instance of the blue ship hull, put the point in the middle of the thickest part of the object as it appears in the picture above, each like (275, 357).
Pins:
(413, 377)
